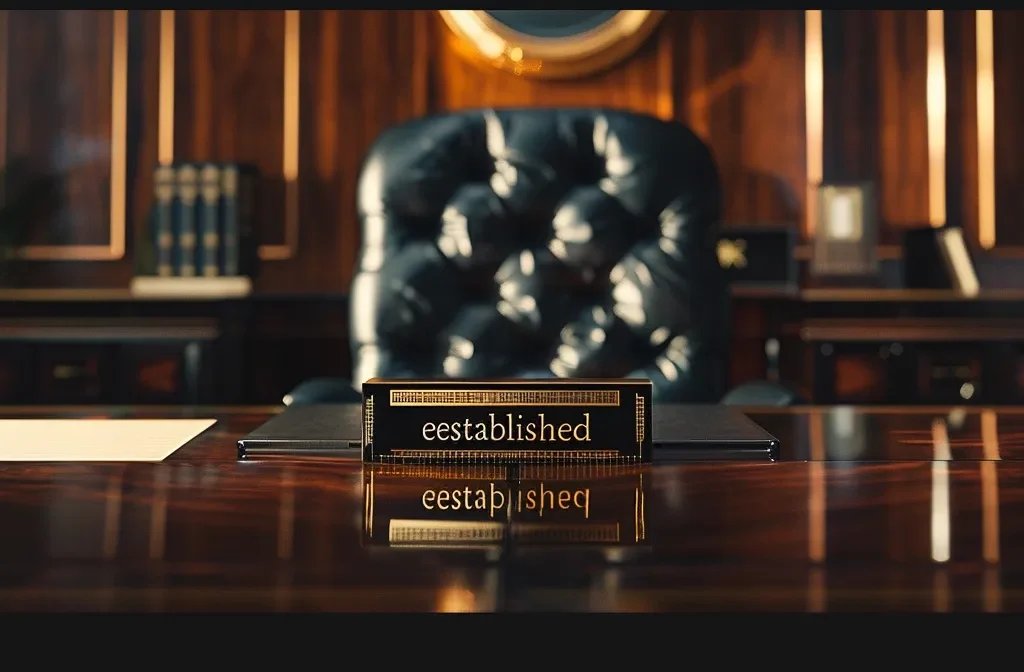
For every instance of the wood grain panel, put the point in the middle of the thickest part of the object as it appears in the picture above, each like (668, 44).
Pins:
(59, 109)
(962, 121)
(229, 99)
(876, 123)
(639, 84)
(740, 85)
(86, 258)
(736, 77)
(353, 88)
(1009, 110)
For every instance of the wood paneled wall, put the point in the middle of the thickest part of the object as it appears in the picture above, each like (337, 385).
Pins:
(736, 77)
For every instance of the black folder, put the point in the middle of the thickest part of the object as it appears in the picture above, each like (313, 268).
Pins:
(681, 433)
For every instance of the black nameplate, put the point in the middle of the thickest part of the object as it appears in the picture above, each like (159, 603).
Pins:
(495, 507)
(522, 421)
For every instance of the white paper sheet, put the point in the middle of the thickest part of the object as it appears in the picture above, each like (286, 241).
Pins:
(95, 440)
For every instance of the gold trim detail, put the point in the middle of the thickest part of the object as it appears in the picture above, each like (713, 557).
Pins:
(115, 249)
(814, 102)
(290, 131)
(986, 105)
(165, 97)
(401, 531)
(442, 455)
(935, 104)
(640, 512)
(641, 416)
(732, 253)
(290, 153)
(480, 36)
(504, 397)
(368, 506)
(368, 422)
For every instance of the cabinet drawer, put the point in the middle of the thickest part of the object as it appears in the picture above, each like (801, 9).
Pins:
(74, 374)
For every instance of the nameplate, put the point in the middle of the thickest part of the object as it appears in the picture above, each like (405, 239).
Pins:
(493, 507)
(490, 422)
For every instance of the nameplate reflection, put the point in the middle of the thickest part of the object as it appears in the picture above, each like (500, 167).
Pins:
(483, 507)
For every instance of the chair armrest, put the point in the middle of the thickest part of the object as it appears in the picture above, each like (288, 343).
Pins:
(762, 393)
(323, 391)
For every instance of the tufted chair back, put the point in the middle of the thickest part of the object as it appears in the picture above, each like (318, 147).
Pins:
(537, 243)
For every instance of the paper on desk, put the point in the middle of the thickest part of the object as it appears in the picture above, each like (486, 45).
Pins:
(95, 440)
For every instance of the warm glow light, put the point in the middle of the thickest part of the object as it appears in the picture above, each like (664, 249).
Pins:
(990, 487)
(290, 142)
(936, 113)
(986, 128)
(941, 523)
(456, 600)
(814, 103)
(816, 491)
(286, 516)
(165, 96)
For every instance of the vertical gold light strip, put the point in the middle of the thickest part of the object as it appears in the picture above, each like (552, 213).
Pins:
(817, 514)
(936, 114)
(814, 104)
(286, 517)
(165, 102)
(118, 163)
(941, 518)
(990, 487)
(816, 491)
(986, 91)
(290, 155)
(990, 435)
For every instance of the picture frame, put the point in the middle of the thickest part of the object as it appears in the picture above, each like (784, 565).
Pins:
(846, 235)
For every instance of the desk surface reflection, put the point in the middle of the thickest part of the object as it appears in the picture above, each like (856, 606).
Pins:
(896, 509)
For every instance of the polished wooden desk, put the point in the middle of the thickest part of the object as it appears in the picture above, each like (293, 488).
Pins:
(916, 509)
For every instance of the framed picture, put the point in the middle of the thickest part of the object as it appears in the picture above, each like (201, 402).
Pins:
(846, 237)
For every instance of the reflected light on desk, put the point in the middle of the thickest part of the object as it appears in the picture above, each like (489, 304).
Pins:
(286, 516)
(992, 591)
(456, 599)
(990, 488)
(112, 516)
(158, 513)
(941, 522)
(816, 491)
(817, 484)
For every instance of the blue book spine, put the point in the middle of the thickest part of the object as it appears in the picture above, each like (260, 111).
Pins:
(208, 213)
(230, 232)
(163, 219)
(185, 220)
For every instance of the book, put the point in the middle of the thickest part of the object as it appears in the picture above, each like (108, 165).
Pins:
(185, 220)
(164, 189)
(237, 212)
(208, 216)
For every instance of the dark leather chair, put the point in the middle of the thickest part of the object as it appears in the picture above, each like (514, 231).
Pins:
(538, 243)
